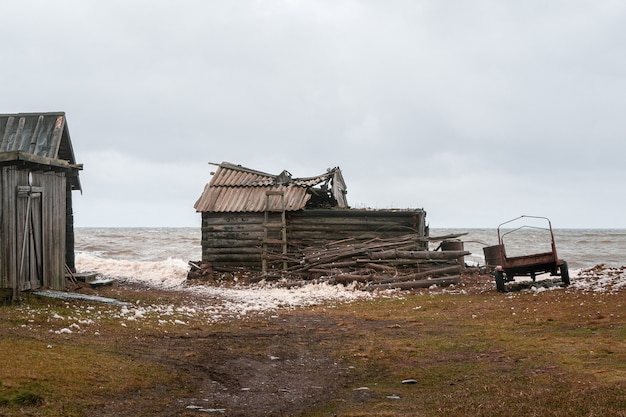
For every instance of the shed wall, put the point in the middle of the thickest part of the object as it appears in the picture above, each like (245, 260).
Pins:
(32, 240)
(234, 239)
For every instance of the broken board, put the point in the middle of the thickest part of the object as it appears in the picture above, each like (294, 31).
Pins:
(75, 296)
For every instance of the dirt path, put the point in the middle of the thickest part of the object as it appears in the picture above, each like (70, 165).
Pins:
(279, 367)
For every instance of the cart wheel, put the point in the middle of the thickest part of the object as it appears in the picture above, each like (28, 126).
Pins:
(500, 281)
(565, 273)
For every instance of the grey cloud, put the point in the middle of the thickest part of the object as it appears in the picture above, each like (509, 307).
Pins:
(426, 104)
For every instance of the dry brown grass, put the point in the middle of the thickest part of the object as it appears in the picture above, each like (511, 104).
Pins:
(556, 353)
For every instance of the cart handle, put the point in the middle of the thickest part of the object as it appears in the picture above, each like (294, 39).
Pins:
(531, 217)
(524, 227)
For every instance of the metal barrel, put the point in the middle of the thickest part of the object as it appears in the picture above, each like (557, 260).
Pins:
(454, 245)
(493, 256)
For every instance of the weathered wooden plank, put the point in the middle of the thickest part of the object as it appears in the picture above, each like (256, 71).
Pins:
(233, 228)
(231, 243)
(245, 236)
(234, 251)
(218, 219)
(16, 156)
(233, 259)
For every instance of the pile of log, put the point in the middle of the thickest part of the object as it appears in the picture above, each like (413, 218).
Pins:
(401, 262)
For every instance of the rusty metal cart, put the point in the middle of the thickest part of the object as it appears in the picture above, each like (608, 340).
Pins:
(506, 268)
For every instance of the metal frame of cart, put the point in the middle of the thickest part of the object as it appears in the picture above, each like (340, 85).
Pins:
(508, 267)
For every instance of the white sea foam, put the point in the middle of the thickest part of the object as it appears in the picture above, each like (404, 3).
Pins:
(157, 258)
(171, 274)
(218, 303)
(167, 274)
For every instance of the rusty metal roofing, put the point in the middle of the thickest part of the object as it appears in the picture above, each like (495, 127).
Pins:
(234, 188)
(42, 135)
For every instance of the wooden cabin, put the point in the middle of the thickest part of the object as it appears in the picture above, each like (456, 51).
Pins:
(38, 173)
(253, 219)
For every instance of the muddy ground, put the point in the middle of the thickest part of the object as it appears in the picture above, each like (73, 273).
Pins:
(282, 368)
(287, 362)
(281, 365)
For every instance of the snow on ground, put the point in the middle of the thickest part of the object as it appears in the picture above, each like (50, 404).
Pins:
(171, 274)
(600, 279)
(266, 297)
(215, 303)
(219, 302)
(212, 304)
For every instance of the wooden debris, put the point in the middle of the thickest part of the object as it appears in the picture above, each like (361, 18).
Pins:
(423, 283)
(454, 269)
(399, 262)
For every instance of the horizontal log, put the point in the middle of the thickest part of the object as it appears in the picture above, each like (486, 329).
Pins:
(234, 250)
(338, 264)
(356, 213)
(233, 229)
(429, 273)
(231, 218)
(230, 268)
(378, 267)
(348, 278)
(445, 237)
(424, 283)
(235, 259)
(395, 254)
(231, 243)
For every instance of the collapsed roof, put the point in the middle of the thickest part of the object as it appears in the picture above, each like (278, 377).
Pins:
(234, 188)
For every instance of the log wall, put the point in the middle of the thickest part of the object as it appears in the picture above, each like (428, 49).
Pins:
(234, 239)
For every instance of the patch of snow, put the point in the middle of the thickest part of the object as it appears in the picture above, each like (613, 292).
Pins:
(63, 331)
(599, 279)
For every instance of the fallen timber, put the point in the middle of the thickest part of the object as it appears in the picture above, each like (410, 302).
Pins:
(399, 254)
(423, 283)
(402, 262)
(376, 263)
(454, 269)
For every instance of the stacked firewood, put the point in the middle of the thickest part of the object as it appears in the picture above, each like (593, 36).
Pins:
(399, 262)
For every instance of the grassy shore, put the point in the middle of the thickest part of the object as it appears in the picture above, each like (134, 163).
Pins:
(552, 353)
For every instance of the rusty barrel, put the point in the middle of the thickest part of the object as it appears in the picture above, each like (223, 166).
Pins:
(454, 245)
(493, 256)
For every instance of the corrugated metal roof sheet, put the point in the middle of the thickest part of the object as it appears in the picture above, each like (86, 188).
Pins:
(44, 135)
(234, 188)
(229, 175)
(248, 199)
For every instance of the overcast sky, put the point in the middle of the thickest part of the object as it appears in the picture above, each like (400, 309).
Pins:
(476, 111)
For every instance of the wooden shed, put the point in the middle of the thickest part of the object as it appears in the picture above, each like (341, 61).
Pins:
(253, 219)
(38, 173)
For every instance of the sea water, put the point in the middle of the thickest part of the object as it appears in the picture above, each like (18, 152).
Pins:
(159, 247)
(580, 248)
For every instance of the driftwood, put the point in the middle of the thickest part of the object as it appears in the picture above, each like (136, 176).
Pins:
(424, 283)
